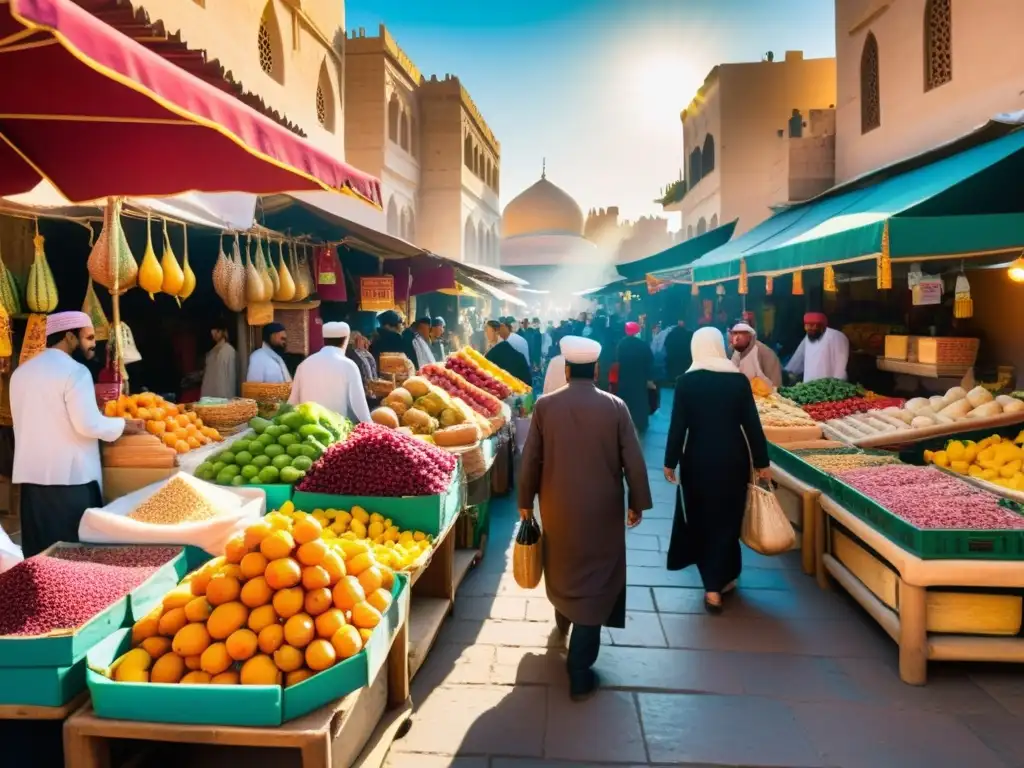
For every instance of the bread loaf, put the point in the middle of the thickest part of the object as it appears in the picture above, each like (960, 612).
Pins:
(460, 434)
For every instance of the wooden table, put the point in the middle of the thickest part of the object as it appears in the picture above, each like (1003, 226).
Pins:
(800, 503)
(927, 606)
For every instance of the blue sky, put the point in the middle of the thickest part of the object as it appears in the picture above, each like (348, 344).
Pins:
(595, 86)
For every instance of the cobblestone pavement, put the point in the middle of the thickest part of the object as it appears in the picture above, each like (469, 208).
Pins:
(788, 676)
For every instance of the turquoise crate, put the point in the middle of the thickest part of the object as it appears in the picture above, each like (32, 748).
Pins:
(41, 686)
(250, 705)
(429, 514)
(277, 495)
(930, 543)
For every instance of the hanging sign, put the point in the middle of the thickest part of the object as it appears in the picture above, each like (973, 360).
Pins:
(376, 294)
(927, 292)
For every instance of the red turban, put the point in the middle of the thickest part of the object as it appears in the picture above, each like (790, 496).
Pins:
(816, 318)
(632, 329)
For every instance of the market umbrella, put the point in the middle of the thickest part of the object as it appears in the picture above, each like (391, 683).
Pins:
(97, 114)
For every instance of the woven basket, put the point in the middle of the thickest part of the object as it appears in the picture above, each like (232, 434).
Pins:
(222, 416)
(268, 397)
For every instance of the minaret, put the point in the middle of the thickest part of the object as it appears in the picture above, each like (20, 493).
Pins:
(544, 168)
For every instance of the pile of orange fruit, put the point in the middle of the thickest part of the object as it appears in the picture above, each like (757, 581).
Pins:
(180, 430)
(280, 605)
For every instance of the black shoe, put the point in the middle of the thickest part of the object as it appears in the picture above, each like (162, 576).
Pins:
(583, 692)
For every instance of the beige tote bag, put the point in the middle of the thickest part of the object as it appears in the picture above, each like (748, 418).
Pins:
(766, 529)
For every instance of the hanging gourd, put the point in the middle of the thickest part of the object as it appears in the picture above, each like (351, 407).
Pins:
(255, 291)
(743, 285)
(236, 291)
(92, 307)
(264, 272)
(285, 283)
(883, 272)
(41, 293)
(189, 283)
(111, 263)
(151, 276)
(268, 258)
(174, 278)
(9, 293)
(769, 286)
(222, 269)
(308, 285)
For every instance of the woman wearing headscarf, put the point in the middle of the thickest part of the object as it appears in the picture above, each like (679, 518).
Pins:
(636, 375)
(714, 438)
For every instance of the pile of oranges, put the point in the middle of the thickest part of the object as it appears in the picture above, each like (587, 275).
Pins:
(180, 430)
(280, 605)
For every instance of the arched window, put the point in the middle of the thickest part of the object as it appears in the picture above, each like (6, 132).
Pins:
(394, 226)
(467, 151)
(325, 109)
(714, 221)
(394, 117)
(269, 45)
(870, 96)
(481, 248)
(938, 44)
(689, 232)
(702, 226)
(487, 172)
(412, 226)
(707, 156)
(695, 166)
(403, 134)
(469, 241)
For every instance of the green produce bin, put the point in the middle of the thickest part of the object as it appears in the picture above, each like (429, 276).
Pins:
(429, 514)
(250, 705)
(42, 686)
(277, 495)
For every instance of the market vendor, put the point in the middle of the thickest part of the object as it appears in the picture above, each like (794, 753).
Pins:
(755, 359)
(503, 354)
(56, 428)
(266, 364)
(220, 374)
(823, 353)
(421, 343)
(330, 379)
(389, 337)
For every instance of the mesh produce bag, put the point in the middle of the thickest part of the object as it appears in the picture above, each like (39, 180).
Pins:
(111, 263)
(92, 307)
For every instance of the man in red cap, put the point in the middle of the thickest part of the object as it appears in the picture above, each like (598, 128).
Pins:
(824, 352)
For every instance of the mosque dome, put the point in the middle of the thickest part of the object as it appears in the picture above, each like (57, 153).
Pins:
(542, 209)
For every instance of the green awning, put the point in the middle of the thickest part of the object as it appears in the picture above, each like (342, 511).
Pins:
(962, 205)
(678, 255)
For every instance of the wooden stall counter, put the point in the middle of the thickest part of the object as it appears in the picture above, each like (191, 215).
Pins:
(935, 610)
(800, 503)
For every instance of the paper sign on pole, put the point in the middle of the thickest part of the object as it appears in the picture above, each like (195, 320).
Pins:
(377, 294)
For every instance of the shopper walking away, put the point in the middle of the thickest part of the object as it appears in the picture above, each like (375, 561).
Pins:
(57, 426)
(266, 364)
(329, 378)
(714, 437)
(580, 447)
(636, 376)
(220, 374)
(677, 351)
(507, 331)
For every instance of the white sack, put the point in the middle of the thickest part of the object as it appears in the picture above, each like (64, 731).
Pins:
(10, 553)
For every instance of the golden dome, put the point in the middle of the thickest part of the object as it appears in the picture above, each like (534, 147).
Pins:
(542, 209)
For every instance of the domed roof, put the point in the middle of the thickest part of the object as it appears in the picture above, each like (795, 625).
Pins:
(542, 209)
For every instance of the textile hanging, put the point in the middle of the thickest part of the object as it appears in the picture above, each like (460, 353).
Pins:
(769, 285)
(798, 283)
(829, 285)
(963, 304)
(743, 278)
(885, 262)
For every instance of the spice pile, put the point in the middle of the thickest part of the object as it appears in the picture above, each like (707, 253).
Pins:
(64, 590)
(775, 413)
(842, 460)
(377, 461)
(175, 503)
(927, 498)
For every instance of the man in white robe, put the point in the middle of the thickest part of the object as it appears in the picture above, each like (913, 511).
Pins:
(220, 375)
(266, 366)
(330, 379)
(823, 353)
(57, 429)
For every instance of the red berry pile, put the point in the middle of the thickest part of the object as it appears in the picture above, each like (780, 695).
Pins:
(477, 377)
(480, 400)
(840, 408)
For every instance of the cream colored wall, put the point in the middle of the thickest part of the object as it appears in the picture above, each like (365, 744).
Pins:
(988, 77)
(703, 200)
(228, 32)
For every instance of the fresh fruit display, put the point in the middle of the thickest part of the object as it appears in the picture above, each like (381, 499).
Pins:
(377, 461)
(486, 379)
(773, 412)
(179, 430)
(281, 451)
(518, 387)
(357, 530)
(280, 605)
(820, 391)
(837, 409)
(483, 401)
(995, 459)
(64, 589)
(928, 498)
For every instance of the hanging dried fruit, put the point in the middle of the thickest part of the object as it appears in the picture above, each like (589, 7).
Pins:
(174, 278)
(151, 276)
(285, 283)
(111, 263)
(41, 293)
(235, 299)
(222, 273)
(254, 286)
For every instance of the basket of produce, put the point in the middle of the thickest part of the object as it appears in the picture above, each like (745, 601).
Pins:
(283, 622)
(223, 414)
(268, 397)
(396, 366)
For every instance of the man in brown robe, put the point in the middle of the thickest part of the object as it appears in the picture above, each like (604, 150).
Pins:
(581, 445)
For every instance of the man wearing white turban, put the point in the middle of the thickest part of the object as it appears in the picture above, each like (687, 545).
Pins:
(331, 379)
(56, 428)
(754, 358)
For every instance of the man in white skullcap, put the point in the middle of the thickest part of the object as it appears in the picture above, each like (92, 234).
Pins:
(755, 359)
(57, 426)
(581, 445)
(330, 379)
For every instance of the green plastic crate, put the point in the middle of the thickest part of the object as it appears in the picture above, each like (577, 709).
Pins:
(429, 514)
(250, 705)
(277, 495)
(42, 686)
(930, 543)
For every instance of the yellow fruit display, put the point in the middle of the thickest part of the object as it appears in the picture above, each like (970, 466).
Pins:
(995, 459)
(293, 595)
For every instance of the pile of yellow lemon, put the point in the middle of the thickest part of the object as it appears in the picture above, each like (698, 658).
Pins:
(356, 530)
(284, 601)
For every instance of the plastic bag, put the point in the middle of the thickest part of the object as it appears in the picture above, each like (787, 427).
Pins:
(766, 529)
(111, 525)
(527, 556)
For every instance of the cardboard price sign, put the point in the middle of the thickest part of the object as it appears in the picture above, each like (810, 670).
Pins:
(376, 294)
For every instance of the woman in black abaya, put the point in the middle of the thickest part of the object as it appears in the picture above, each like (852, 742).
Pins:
(714, 437)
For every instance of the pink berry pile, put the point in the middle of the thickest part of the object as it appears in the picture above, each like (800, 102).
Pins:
(66, 589)
(377, 461)
(928, 498)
